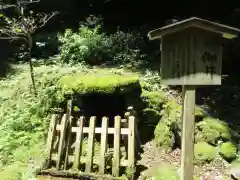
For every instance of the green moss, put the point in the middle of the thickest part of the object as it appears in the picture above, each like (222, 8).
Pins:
(164, 137)
(211, 130)
(208, 135)
(204, 152)
(228, 151)
(96, 83)
(162, 172)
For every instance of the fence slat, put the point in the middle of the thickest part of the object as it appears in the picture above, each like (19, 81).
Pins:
(68, 145)
(78, 147)
(61, 141)
(103, 144)
(51, 135)
(124, 124)
(131, 141)
(116, 144)
(90, 144)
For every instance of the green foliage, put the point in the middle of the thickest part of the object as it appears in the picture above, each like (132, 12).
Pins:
(228, 151)
(212, 130)
(92, 83)
(130, 172)
(153, 99)
(91, 46)
(204, 152)
(164, 137)
(151, 81)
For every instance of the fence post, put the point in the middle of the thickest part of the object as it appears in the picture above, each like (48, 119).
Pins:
(78, 147)
(68, 142)
(131, 141)
(61, 141)
(90, 146)
(104, 141)
(51, 135)
(116, 154)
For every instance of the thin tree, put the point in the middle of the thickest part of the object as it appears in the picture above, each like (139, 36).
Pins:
(22, 27)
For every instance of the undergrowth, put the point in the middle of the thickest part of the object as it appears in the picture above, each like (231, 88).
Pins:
(24, 118)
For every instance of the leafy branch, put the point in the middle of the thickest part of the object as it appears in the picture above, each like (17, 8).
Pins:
(23, 27)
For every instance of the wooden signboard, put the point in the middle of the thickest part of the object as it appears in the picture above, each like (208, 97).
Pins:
(191, 55)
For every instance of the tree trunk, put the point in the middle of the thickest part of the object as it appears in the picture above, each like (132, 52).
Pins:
(30, 62)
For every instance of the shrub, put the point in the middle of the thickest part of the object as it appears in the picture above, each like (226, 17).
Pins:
(204, 152)
(87, 45)
(91, 46)
(228, 151)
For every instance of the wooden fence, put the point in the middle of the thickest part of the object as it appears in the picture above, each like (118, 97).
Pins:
(66, 151)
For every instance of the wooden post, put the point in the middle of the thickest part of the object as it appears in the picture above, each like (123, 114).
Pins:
(62, 144)
(116, 144)
(90, 146)
(103, 144)
(131, 141)
(187, 153)
(78, 146)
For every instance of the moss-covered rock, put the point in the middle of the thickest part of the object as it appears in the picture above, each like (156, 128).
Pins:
(212, 130)
(164, 137)
(204, 152)
(228, 151)
(97, 83)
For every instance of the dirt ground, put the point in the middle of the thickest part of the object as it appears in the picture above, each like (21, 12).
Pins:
(217, 170)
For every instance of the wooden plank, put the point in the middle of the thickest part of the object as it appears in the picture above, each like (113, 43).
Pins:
(68, 143)
(116, 144)
(64, 124)
(78, 146)
(123, 162)
(187, 155)
(90, 146)
(76, 175)
(124, 124)
(61, 141)
(98, 130)
(51, 136)
(131, 141)
(104, 142)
